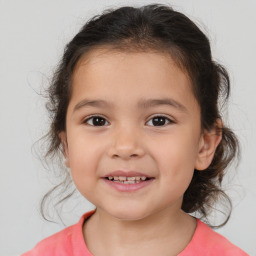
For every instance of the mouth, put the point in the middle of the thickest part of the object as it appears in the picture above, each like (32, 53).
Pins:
(128, 180)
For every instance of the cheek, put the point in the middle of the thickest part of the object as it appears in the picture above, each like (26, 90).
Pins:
(178, 153)
(81, 149)
(176, 159)
(83, 163)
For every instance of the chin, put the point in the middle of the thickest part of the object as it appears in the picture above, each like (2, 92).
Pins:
(129, 214)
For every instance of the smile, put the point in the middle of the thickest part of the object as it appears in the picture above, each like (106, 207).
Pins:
(127, 180)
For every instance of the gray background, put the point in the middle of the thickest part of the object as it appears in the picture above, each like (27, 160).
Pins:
(32, 38)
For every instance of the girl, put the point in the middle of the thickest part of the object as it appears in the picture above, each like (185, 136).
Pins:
(135, 112)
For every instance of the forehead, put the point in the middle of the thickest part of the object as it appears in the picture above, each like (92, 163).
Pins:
(102, 54)
(106, 72)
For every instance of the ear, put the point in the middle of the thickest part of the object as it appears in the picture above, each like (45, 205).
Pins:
(63, 138)
(209, 141)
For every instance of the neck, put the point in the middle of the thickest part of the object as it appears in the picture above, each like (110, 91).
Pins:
(165, 232)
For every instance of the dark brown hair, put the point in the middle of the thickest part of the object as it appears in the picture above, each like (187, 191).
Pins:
(161, 29)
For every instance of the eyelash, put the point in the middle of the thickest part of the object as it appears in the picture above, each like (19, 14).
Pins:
(86, 121)
(90, 118)
(166, 119)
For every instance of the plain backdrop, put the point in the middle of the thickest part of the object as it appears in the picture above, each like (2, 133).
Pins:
(33, 34)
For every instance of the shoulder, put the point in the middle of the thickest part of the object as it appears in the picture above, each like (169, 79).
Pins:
(208, 242)
(57, 243)
(63, 242)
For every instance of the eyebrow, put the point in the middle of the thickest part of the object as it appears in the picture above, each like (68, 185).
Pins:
(91, 103)
(164, 101)
(143, 103)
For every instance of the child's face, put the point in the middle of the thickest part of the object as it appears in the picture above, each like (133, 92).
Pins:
(133, 114)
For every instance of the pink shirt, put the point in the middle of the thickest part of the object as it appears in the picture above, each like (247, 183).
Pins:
(70, 242)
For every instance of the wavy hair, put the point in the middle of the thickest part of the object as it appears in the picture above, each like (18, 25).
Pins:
(160, 29)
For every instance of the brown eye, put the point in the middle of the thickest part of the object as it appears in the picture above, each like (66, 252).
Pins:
(96, 121)
(159, 121)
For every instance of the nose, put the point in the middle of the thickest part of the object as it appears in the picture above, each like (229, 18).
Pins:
(126, 144)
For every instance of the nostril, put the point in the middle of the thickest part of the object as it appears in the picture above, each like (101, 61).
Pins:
(121, 155)
(125, 151)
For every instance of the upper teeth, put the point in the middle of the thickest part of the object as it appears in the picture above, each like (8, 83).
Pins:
(124, 178)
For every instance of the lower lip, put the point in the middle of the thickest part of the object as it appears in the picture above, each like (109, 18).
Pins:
(128, 187)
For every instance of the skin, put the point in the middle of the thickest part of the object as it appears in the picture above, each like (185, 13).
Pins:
(148, 221)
